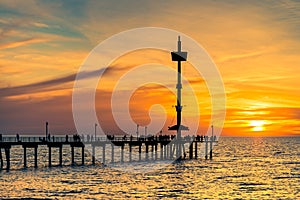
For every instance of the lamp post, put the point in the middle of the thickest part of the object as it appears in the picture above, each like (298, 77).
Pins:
(212, 132)
(47, 130)
(137, 131)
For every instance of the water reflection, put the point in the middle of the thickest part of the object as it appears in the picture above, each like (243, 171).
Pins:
(242, 168)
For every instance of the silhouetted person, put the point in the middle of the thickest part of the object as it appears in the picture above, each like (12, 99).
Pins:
(76, 138)
(0, 137)
(53, 138)
(18, 138)
(67, 138)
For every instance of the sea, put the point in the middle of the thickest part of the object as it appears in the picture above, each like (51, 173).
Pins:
(241, 168)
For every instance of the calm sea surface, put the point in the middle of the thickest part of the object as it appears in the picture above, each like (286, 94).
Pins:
(242, 168)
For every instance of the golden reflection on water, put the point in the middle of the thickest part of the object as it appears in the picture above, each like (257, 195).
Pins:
(257, 168)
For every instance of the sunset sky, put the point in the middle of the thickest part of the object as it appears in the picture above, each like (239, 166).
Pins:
(255, 45)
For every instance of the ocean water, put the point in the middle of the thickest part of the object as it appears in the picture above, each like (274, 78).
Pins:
(242, 168)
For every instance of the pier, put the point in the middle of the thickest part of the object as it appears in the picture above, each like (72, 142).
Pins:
(149, 149)
(152, 148)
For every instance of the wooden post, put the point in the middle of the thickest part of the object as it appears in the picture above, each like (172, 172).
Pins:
(171, 154)
(130, 149)
(82, 155)
(196, 149)
(93, 154)
(206, 147)
(103, 153)
(152, 153)
(173, 150)
(161, 151)
(155, 146)
(191, 151)
(24, 154)
(147, 151)
(122, 153)
(7, 153)
(112, 153)
(140, 152)
(177, 149)
(72, 155)
(1, 160)
(35, 157)
(165, 152)
(211, 147)
(170, 151)
(60, 156)
(49, 156)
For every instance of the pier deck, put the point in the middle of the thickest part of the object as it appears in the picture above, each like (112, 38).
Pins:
(166, 147)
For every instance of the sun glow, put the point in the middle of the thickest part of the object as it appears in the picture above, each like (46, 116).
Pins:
(257, 125)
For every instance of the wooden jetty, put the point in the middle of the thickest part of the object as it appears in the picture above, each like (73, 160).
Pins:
(151, 149)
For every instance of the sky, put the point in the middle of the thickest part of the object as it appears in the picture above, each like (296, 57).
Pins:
(255, 45)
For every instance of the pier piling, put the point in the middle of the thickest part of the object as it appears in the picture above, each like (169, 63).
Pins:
(196, 150)
(49, 156)
(35, 157)
(7, 154)
(112, 153)
(93, 155)
(1, 160)
(191, 151)
(161, 151)
(130, 154)
(152, 152)
(103, 154)
(206, 147)
(122, 153)
(147, 152)
(24, 155)
(140, 152)
(82, 155)
(155, 149)
(210, 149)
(72, 156)
(60, 156)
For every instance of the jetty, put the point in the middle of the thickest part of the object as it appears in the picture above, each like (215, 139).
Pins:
(151, 148)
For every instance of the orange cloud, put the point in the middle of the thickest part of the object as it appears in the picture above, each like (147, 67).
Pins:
(22, 43)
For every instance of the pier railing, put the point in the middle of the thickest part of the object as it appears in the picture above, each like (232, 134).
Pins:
(71, 138)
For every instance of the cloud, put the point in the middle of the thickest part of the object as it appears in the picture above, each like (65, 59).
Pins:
(40, 25)
(36, 87)
(241, 56)
(23, 42)
(56, 83)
